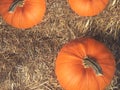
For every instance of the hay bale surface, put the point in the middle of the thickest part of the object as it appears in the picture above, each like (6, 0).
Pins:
(27, 57)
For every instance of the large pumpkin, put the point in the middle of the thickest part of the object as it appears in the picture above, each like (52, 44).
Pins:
(85, 64)
(22, 13)
(88, 7)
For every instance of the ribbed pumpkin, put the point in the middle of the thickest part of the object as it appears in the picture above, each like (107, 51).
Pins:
(22, 13)
(85, 64)
(88, 7)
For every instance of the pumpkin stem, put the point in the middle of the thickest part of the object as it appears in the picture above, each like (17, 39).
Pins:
(14, 4)
(90, 62)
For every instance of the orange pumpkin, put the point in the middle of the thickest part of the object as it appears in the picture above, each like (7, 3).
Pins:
(22, 13)
(88, 7)
(85, 64)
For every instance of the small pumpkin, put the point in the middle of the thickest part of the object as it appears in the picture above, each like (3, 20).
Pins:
(88, 7)
(22, 13)
(85, 64)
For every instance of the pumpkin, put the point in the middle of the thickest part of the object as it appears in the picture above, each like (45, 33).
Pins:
(22, 13)
(88, 7)
(84, 64)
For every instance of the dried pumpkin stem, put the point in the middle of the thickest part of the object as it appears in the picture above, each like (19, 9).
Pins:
(15, 3)
(90, 62)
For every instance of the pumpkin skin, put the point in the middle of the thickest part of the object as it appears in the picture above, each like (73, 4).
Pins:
(70, 71)
(27, 16)
(88, 7)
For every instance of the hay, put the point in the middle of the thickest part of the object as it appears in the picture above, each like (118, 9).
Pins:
(27, 57)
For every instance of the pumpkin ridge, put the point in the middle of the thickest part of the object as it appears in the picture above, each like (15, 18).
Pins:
(70, 63)
(71, 53)
(98, 84)
(88, 81)
(21, 18)
(12, 19)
